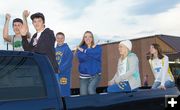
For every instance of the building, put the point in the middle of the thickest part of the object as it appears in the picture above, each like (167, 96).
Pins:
(170, 46)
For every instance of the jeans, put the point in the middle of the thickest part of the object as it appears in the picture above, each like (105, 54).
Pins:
(88, 85)
(168, 84)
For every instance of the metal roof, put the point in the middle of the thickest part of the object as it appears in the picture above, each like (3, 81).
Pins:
(172, 41)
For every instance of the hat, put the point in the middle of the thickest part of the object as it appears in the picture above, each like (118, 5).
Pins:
(127, 43)
(38, 15)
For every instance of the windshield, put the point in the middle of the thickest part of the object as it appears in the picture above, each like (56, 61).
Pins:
(20, 78)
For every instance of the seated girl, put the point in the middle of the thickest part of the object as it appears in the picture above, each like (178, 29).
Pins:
(127, 77)
(160, 67)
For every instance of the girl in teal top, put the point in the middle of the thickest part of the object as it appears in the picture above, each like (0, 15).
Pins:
(127, 77)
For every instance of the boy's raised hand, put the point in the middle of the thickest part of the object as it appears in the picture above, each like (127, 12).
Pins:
(8, 17)
(26, 13)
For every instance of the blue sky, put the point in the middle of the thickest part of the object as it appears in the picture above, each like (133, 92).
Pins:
(109, 20)
(153, 6)
(77, 6)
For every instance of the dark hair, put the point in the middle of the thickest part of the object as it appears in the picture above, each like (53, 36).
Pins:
(159, 50)
(17, 20)
(60, 33)
(83, 42)
(38, 15)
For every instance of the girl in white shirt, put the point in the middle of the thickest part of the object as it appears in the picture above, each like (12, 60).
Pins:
(160, 67)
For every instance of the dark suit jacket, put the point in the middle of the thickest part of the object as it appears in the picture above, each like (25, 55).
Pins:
(45, 45)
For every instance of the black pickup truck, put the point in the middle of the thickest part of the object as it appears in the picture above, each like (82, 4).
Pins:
(28, 82)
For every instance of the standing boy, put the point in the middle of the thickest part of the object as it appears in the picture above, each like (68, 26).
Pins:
(42, 41)
(64, 58)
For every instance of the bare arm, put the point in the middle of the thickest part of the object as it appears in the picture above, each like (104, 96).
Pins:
(25, 29)
(6, 29)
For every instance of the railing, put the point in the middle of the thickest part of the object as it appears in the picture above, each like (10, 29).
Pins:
(7, 46)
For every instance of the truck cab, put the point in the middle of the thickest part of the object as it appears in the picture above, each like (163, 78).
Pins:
(28, 82)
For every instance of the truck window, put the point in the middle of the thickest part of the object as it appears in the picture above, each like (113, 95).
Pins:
(20, 79)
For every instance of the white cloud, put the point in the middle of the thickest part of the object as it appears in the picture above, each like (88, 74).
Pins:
(168, 22)
(162, 23)
(105, 18)
(110, 18)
